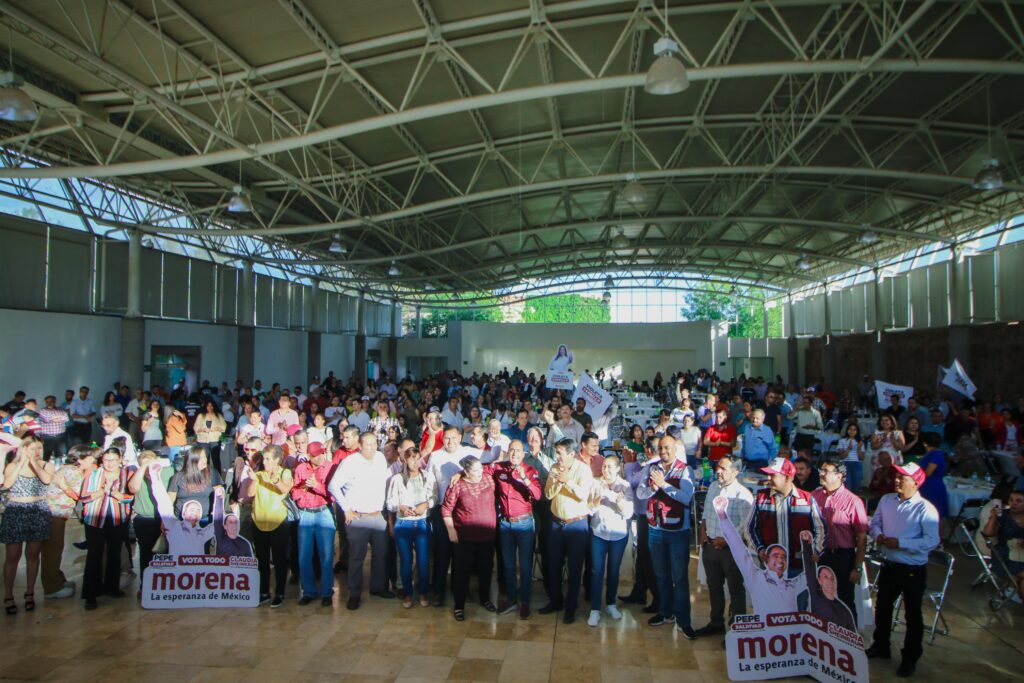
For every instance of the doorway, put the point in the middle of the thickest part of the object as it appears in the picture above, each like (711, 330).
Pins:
(753, 367)
(176, 366)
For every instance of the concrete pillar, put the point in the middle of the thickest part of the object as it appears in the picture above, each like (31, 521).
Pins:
(133, 327)
(245, 356)
(764, 320)
(360, 354)
(878, 355)
(316, 322)
(419, 321)
(959, 332)
(828, 351)
(313, 336)
(396, 321)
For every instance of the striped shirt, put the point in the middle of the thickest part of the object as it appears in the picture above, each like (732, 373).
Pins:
(104, 506)
(52, 422)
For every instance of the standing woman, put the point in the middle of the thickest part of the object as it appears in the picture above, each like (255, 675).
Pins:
(111, 406)
(411, 495)
(26, 521)
(611, 500)
(851, 450)
(210, 426)
(152, 436)
(469, 514)
(888, 438)
(106, 513)
(689, 436)
(268, 488)
(913, 443)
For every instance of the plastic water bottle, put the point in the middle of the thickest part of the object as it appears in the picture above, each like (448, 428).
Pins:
(706, 473)
(974, 477)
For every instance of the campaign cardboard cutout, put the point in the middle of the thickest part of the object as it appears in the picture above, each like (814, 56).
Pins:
(562, 360)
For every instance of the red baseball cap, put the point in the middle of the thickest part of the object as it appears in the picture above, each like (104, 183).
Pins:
(292, 429)
(913, 471)
(315, 448)
(780, 466)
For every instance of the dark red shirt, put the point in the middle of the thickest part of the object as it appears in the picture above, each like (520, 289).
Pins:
(515, 494)
(724, 432)
(471, 507)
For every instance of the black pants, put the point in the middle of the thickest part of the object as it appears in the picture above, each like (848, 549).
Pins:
(645, 578)
(894, 580)
(841, 561)
(103, 545)
(542, 523)
(273, 542)
(54, 448)
(213, 455)
(442, 555)
(81, 432)
(720, 569)
(147, 533)
(467, 555)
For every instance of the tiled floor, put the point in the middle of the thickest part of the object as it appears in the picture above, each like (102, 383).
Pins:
(383, 642)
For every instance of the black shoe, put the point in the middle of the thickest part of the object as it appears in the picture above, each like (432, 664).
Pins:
(650, 609)
(549, 608)
(278, 601)
(264, 598)
(326, 602)
(569, 617)
(877, 652)
(353, 602)
(710, 630)
(340, 567)
(506, 606)
(81, 545)
(386, 594)
(631, 599)
(305, 600)
(906, 669)
(659, 620)
(439, 601)
(90, 605)
(687, 632)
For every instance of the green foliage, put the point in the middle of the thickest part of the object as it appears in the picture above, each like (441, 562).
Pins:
(716, 302)
(566, 308)
(435, 320)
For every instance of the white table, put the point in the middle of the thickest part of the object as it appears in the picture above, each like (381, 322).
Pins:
(1007, 462)
(959, 491)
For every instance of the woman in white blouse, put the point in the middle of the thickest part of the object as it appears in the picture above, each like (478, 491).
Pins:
(411, 495)
(888, 438)
(689, 436)
(611, 500)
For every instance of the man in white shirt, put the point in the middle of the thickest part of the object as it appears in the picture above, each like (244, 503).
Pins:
(444, 464)
(390, 389)
(806, 423)
(452, 414)
(82, 410)
(360, 486)
(719, 565)
(359, 417)
(112, 430)
(566, 427)
(496, 444)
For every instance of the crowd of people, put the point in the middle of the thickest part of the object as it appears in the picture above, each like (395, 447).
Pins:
(440, 478)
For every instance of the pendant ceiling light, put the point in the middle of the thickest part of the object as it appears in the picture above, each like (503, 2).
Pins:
(634, 192)
(393, 271)
(989, 176)
(428, 287)
(803, 263)
(620, 241)
(15, 104)
(667, 76)
(869, 236)
(336, 246)
(608, 282)
(606, 297)
(240, 201)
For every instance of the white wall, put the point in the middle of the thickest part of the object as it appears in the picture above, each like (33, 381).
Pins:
(281, 356)
(441, 347)
(46, 353)
(218, 344)
(337, 353)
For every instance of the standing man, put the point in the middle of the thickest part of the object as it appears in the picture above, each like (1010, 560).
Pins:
(806, 423)
(719, 565)
(53, 430)
(568, 489)
(280, 420)
(667, 486)
(112, 430)
(905, 527)
(759, 446)
(360, 486)
(83, 411)
(564, 428)
(444, 464)
(316, 524)
(781, 512)
(590, 453)
(846, 530)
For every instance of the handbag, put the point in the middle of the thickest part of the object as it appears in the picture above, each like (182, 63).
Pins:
(292, 507)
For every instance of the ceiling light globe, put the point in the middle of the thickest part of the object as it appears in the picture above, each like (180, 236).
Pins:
(989, 177)
(667, 76)
(16, 105)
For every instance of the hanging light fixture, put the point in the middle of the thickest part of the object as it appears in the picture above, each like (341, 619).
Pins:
(608, 282)
(336, 246)
(393, 271)
(869, 236)
(606, 297)
(620, 241)
(803, 263)
(240, 201)
(428, 287)
(15, 104)
(667, 76)
(989, 176)
(634, 192)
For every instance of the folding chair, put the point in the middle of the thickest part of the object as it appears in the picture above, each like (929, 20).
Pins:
(968, 528)
(969, 510)
(937, 596)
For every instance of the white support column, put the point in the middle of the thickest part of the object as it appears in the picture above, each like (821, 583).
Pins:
(419, 321)
(134, 299)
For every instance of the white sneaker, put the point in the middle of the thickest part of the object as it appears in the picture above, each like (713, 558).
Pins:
(65, 592)
(614, 612)
(595, 618)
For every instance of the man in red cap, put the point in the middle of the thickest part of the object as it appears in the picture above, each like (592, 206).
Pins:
(781, 512)
(316, 524)
(906, 529)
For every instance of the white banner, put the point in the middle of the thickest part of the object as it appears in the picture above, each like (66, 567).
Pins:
(598, 400)
(794, 644)
(956, 378)
(185, 581)
(884, 393)
(561, 380)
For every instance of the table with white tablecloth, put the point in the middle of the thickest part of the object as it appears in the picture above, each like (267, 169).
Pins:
(1007, 461)
(959, 491)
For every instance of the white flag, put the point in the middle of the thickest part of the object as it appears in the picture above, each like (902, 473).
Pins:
(598, 400)
(956, 379)
(885, 393)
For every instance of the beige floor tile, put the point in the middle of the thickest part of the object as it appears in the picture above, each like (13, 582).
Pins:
(475, 670)
(427, 666)
(475, 648)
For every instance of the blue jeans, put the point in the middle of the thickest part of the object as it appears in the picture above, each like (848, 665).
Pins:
(316, 529)
(670, 555)
(519, 536)
(612, 551)
(854, 475)
(567, 543)
(410, 535)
